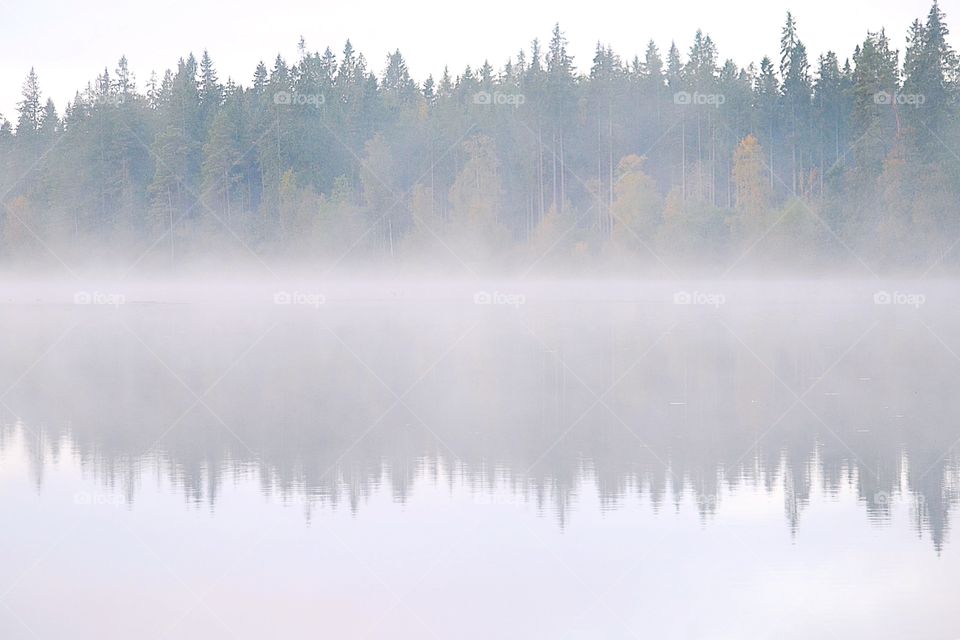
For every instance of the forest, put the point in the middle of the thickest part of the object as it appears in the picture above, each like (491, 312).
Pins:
(669, 161)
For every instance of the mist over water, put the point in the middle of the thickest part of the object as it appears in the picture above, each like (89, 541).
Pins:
(625, 346)
(588, 439)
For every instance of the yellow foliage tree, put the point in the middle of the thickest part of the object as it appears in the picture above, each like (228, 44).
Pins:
(636, 203)
(752, 188)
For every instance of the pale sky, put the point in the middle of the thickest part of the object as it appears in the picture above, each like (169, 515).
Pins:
(70, 42)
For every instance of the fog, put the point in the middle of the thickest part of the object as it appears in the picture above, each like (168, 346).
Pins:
(762, 421)
(663, 345)
(328, 390)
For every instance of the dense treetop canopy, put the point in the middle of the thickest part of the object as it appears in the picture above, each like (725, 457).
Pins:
(670, 159)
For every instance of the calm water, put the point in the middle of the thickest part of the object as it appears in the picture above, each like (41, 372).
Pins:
(776, 462)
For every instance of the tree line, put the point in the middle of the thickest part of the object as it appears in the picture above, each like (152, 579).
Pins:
(661, 160)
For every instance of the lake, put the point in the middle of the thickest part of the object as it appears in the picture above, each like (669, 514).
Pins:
(476, 460)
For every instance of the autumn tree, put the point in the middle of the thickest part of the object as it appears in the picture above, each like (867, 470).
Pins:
(753, 194)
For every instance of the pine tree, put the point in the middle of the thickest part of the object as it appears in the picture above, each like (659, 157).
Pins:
(30, 109)
(797, 90)
(211, 91)
(767, 92)
(876, 119)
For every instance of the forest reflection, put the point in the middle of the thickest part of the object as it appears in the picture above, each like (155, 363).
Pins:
(327, 406)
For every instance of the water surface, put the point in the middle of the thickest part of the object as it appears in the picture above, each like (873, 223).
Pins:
(606, 464)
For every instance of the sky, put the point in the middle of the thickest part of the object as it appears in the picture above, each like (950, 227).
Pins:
(69, 43)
